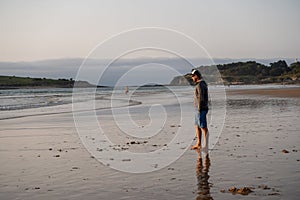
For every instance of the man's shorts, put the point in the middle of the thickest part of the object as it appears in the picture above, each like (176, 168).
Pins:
(200, 118)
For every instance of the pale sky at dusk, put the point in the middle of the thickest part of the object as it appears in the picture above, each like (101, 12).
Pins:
(39, 29)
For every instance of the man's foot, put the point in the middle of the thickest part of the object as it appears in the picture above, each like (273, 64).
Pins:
(196, 147)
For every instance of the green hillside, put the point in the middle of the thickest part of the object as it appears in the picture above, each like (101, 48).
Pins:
(7, 82)
(249, 72)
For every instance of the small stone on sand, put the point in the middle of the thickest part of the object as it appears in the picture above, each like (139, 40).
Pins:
(75, 167)
(232, 189)
(273, 194)
(242, 191)
(285, 151)
(264, 187)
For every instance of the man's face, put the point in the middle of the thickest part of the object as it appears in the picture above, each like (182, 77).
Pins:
(194, 77)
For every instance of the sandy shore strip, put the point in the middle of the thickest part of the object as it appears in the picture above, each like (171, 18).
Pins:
(288, 92)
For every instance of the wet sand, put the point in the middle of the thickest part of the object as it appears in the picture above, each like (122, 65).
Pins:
(42, 157)
(285, 92)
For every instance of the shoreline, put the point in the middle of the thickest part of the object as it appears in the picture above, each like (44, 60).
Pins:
(13, 87)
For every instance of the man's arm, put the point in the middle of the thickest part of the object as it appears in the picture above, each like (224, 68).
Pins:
(198, 89)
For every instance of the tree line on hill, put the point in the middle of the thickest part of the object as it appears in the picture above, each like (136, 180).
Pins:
(249, 72)
(12, 82)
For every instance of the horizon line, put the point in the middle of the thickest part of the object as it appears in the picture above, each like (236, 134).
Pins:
(147, 57)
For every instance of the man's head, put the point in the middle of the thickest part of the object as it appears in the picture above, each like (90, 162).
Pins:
(196, 75)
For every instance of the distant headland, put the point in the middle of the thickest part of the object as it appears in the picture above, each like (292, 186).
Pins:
(13, 82)
(250, 72)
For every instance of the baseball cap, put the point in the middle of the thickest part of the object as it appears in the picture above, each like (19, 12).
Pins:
(196, 72)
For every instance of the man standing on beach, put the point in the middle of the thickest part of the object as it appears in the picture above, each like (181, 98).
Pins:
(201, 106)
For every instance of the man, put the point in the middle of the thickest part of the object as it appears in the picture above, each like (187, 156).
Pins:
(201, 106)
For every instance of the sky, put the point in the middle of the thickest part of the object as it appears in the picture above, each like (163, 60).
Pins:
(34, 30)
(143, 40)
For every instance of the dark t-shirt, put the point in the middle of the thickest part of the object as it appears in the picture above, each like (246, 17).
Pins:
(201, 96)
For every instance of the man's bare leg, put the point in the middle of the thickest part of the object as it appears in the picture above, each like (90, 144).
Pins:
(198, 134)
(205, 132)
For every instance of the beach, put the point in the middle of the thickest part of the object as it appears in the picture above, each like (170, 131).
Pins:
(44, 157)
(284, 92)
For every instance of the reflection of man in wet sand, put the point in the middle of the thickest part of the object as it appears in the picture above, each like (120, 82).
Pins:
(201, 108)
(202, 170)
